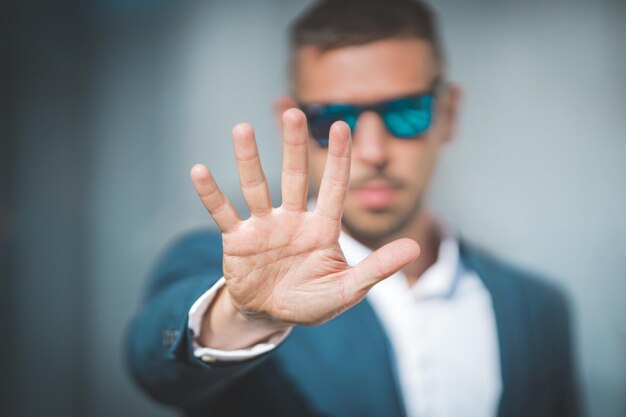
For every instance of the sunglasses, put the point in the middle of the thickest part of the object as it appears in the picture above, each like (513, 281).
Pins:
(405, 117)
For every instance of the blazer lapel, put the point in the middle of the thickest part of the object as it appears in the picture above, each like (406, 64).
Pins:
(512, 325)
(345, 366)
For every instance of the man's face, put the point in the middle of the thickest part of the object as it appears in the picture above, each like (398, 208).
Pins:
(389, 176)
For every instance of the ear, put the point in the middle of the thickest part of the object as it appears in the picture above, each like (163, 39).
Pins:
(450, 106)
(281, 104)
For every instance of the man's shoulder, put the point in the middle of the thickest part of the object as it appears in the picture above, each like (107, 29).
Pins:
(196, 242)
(199, 237)
(540, 294)
(199, 248)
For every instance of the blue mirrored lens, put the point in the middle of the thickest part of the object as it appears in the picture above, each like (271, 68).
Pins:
(407, 118)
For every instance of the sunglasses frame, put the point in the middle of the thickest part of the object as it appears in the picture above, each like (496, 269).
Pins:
(380, 107)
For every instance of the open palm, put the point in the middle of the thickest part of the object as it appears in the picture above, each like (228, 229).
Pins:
(284, 264)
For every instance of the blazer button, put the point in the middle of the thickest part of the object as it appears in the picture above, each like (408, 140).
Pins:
(169, 337)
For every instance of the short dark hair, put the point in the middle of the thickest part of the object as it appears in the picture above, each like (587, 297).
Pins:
(331, 24)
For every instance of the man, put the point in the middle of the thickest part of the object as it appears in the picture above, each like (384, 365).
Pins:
(328, 306)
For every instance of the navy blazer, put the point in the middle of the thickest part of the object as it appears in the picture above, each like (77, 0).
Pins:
(325, 370)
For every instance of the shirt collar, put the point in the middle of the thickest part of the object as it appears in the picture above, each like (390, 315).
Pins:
(439, 280)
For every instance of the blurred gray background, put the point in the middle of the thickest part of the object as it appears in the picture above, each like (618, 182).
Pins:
(111, 102)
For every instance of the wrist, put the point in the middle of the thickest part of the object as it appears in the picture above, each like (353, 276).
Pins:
(255, 320)
(226, 327)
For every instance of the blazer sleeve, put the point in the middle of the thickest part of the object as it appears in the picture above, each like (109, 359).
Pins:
(159, 349)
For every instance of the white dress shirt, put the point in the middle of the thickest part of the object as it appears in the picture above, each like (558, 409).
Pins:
(442, 331)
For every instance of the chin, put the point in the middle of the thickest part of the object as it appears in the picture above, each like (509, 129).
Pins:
(374, 226)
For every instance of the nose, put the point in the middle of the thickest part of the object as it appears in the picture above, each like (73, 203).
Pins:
(370, 144)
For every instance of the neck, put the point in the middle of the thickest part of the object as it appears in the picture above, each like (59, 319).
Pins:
(427, 234)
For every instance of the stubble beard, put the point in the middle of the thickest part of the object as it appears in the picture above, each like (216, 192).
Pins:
(374, 237)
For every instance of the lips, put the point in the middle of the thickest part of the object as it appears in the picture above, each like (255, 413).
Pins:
(374, 196)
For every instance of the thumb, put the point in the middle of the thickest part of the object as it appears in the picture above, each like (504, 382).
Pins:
(385, 262)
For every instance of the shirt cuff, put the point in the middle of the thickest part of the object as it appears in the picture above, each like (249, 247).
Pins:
(207, 354)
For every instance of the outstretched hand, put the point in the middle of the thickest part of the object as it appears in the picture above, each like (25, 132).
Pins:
(284, 265)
